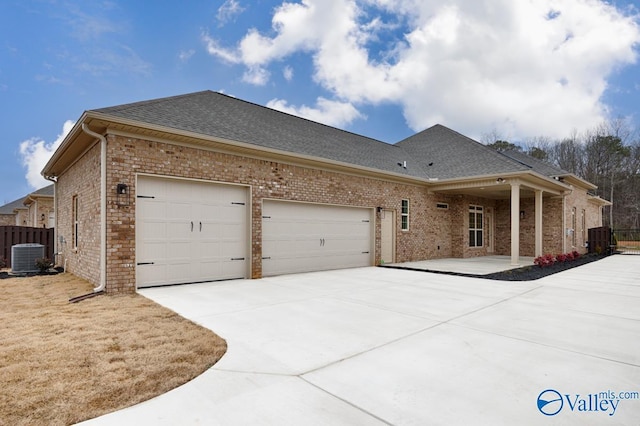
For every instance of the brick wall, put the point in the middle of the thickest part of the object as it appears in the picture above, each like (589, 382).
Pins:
(587, 215)
(39, 210)
(267, 180)
(83, 181)
(551, 226)
(433, 233)
(7, 219)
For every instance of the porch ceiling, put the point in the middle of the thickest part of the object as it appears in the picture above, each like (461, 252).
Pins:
(499, 188)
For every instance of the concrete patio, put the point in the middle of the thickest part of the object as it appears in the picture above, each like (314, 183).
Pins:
(384, 346)
(482, 265)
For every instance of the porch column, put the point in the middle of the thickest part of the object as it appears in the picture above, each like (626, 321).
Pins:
(515, 224)
(538, 226)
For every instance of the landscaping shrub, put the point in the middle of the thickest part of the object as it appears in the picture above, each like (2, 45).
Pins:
(548, 259)
(543, 261)
(44, 264)
(3, 263)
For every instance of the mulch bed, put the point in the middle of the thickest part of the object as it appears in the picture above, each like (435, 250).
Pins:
(8, 274)
(534, 272)
(526, 273)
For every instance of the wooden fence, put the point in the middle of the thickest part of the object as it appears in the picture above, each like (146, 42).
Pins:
(12, 235)
(600, 240)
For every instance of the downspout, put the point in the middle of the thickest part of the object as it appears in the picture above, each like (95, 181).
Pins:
(57, 249)
(103, 207)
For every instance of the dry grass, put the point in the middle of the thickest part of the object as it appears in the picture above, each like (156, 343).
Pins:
(61, 363)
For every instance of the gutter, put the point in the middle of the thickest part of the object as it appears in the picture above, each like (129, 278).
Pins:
(103, 207)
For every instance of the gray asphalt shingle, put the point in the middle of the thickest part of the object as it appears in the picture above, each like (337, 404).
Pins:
(437, 152)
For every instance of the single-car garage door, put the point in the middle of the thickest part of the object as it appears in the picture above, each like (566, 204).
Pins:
(303, 237)
(190, 231)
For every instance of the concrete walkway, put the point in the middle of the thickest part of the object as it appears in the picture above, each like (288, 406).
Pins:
(384, 346)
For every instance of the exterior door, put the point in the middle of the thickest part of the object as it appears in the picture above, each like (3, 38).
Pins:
(387, 236)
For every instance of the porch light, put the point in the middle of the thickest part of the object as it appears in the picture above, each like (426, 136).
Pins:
(122, 191)
(521, 214)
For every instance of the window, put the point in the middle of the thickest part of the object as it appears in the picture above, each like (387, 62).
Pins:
(404, 215)
(476, 226)
(573, 226)
(584, 226)
(75, 215)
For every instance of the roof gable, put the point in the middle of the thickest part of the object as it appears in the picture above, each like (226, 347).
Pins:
(448, 154)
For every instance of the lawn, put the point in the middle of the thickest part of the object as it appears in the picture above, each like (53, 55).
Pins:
(61, 362)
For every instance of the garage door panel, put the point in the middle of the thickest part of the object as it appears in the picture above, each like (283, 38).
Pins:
(187, 231)
(300, 237)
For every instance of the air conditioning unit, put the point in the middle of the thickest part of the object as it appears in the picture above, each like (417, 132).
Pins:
(23, 257)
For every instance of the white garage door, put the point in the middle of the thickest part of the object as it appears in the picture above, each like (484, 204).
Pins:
(301, 237)
(190, 231)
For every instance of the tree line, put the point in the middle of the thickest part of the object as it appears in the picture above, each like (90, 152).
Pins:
(607, 155)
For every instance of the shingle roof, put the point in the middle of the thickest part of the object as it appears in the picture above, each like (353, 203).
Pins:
(46, 191)
(437, 152)
(536, 165)
(10, 207)
(447, 154)
(19, 203)
(217, 115)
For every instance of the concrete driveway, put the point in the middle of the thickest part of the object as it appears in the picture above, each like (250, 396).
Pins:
(383, 346)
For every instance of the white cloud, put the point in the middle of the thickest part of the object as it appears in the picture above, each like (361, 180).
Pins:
(525, 68)
(185, 55)
(256, 75)
(332, 113)
(36, 153)
(229, 10)
(213, 48)
(287, 73)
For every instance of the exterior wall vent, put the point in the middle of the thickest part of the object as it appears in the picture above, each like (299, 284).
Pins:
(23, 257)
(443, 206)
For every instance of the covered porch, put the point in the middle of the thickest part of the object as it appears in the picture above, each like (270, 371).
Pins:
(520, 230)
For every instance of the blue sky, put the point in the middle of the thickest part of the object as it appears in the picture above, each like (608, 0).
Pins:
(382, 68)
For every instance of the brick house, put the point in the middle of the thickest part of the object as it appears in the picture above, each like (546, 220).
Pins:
(34, 210)
(204, 187)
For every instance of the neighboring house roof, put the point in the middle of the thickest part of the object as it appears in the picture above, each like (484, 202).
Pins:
(46, 192)
(10, 207)
(18, 204)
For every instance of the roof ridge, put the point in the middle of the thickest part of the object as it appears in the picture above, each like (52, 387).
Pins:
(123, 107)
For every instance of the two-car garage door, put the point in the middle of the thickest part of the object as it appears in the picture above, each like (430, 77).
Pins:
(193, 231)
(190, 231)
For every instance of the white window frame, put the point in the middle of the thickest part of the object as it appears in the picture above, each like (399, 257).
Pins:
(475, 230)
(76, 222)
(404, 214)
